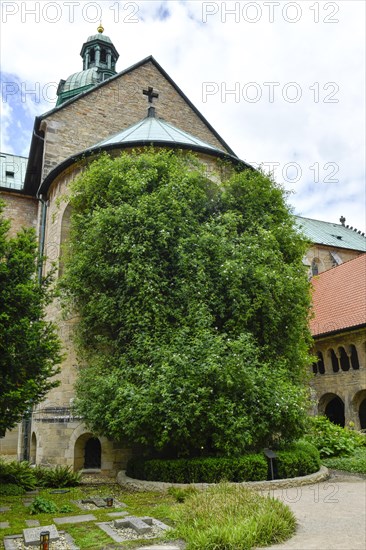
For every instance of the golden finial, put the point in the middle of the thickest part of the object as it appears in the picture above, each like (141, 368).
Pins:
(100, 28)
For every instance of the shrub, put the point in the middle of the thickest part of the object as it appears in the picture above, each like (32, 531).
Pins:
(300, 459)
(331, 439)
(355, 463)
(42, 505)
(251, 467)
(11, 490)
(61, 476)
(180, 494)
(18, 473)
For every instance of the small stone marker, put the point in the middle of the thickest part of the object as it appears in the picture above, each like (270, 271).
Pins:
(117, 514)
(156, 523)
(133, 522)
(4, 524)
(75, 519)
(31, 536)
(4, 508)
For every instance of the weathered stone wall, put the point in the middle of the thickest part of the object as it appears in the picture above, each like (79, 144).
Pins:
(112, 108)
(349, 385)
(21, 210)
(323, 258)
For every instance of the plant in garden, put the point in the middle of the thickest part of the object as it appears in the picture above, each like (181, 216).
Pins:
(331, 439)
(193, 305)
(29, 346)
(41, 505)
(19, 473)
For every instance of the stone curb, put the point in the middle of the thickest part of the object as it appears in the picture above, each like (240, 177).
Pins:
(160, 486)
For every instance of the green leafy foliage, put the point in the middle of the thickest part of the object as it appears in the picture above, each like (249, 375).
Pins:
(193, 306)
(60, 476)
(355, 463)
(11, 489)
(29, 346)
(41, 505)
(19, 473)
(181, 494)
(300, 459)
(331, 439)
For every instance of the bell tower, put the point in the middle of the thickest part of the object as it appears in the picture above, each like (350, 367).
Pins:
(99, 52)
(99, 63)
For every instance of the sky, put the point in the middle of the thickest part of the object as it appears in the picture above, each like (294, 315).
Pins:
(282, 82)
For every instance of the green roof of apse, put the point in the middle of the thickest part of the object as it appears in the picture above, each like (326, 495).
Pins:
(331, 234)
(154, 130)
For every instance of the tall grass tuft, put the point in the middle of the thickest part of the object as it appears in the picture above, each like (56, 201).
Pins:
(227, 517)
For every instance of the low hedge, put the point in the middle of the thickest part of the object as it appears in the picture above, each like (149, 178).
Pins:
(299, 460)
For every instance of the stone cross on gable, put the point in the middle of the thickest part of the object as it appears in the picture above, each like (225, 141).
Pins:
(150, 94)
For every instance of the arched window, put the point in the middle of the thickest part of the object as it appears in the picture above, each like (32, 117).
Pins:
(354, 358)
(103, 56)
(344, 359)
(92, 453)
(65, 231)
(362, 414)
(334, 359)
(92, 55)
(315, 267)
(335, 411)
(320, 364)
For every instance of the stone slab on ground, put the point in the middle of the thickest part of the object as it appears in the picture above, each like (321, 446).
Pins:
(156, 522)
(4, 524)
(160, 547)
(110, 532)
(27, 502)
(133, 522)
(4, 508)
(32, 534)
(75, 519)
(32, 523)
(117, 514)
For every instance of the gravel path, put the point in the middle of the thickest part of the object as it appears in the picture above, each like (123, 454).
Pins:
(331, 515)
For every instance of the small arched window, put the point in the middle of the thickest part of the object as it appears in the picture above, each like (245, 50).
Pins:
(315, 267)
(334, 359)
(345, 365)
(320, 364)
(92, 55)
(354, 358)
(103, 55)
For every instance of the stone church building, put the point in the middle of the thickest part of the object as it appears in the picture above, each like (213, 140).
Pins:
(99, 110)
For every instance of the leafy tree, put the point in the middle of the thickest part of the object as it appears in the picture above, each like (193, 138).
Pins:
(193, 305)
(29, 346)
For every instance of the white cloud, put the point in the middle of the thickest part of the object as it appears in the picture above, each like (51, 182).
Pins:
(325, 59)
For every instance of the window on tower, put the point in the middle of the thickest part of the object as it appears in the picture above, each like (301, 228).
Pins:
(92, 56)
(103, 56)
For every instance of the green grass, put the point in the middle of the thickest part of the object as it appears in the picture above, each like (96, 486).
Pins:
(225, 518)
(356, 463)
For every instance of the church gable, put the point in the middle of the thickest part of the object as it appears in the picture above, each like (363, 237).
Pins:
(115, 105)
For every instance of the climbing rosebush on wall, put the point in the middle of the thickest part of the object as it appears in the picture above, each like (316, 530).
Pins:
(193, 306)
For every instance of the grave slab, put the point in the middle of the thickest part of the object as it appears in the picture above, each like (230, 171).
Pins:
(4, 508)
(32, 523)
(4, 524)
(75, 519)
(31, 535)
(117, 514)
(133, 522)
(156, 522)
(110, 532)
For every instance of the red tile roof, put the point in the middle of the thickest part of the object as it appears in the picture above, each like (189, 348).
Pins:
(339, 297)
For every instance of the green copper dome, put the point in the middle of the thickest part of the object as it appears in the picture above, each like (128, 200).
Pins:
(81, 79)
(99, 63)
(101, 37)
